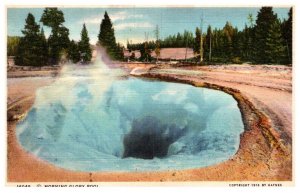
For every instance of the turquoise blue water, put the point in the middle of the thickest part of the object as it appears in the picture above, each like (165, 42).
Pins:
(91, 119)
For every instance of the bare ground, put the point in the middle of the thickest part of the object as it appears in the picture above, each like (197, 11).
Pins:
(264, 95)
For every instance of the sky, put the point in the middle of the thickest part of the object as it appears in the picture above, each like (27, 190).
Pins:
(133, 23)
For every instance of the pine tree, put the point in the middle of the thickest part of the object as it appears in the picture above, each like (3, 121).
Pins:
(12, 45)
(216, 44)
(179, 40)
(106, 35)
(44, 46)
(107, 38)
(229, 33)
(275, 49)
(237, 39)
(31, 47)
(265, 20)
(247, 43)
(196, 47)
(208, 44)
(119, 52)
(287, 29)
(59, 37)
(73, 52)
(84, 45)
(145, 52)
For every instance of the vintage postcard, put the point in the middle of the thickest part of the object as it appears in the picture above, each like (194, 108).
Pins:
(170, 94)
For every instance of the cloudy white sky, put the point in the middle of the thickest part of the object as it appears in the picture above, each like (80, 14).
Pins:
(132, 23)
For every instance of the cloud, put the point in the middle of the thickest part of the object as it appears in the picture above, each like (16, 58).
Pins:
(117, 16)
(123, 15)
(122, 26)
(91, 20)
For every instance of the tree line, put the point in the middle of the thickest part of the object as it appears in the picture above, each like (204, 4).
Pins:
(172, 41)
(34, 49)
(268, 40)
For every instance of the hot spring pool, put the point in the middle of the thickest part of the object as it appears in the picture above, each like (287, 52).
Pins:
(89, 121)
